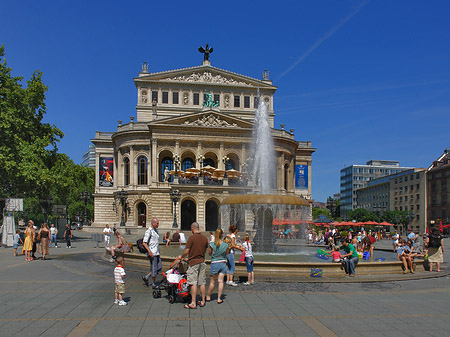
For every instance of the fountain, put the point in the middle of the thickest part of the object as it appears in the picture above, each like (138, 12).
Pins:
(255, 212)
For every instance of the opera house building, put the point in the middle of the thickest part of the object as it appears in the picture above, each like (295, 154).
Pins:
(188, 148)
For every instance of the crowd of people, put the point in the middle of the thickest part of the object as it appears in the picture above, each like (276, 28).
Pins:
(220, 248)
(39, 240)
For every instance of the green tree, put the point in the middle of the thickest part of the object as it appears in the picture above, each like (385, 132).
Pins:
(28, 147)
(316, 212)
(70, 181)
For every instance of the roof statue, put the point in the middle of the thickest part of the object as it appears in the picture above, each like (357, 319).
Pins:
(206, 51)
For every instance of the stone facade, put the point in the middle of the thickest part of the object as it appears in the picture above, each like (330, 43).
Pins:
(438, 191)
(173, 121)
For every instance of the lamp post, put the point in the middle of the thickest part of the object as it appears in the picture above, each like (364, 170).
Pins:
(85, 195)
(378, 210)
(331, 203)
(175, 196)
(225, 160)
(122, 196)
(176, 162)
(410, 216)
(201, 159)
(46, 204)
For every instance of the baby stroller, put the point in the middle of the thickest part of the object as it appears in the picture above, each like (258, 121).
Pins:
(175, 283)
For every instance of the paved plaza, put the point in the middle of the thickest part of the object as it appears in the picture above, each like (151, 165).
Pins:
(72, 294)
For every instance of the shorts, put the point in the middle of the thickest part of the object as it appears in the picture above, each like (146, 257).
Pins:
(218, 268)
(155, 265)
(249, 263)
(15, 246)
(230, 264)
(196, 274)
(120, 288)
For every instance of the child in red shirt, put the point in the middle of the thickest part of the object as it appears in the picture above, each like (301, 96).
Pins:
(335, 254)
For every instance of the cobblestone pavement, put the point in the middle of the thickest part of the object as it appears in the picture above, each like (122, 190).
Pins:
(71, 294)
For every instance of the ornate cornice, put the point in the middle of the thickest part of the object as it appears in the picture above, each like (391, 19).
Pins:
(205, 77)
(211, 121)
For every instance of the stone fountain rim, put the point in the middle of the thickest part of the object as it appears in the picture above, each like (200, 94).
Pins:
(264, 199)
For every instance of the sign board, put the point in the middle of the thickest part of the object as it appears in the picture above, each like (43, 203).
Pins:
(301, 176)
(106, 171)
(59, 210)
(14, 205)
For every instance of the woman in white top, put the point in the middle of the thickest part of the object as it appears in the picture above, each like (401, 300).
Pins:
(249, 259)
(231, 241)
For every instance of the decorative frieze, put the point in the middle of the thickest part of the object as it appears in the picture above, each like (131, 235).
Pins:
(211, 121)
(205, 77)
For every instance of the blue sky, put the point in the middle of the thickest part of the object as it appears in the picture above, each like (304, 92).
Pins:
(360, 79)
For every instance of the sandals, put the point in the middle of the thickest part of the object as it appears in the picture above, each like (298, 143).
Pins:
(208, 299)
(219, 302)
(199, 303)
(188, 306)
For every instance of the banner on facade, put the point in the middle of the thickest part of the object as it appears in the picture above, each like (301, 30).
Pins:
(106, 171)
(301, 176)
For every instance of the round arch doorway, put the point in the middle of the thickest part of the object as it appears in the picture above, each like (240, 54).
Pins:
(188, 214)
(212, 216)
(142, 214)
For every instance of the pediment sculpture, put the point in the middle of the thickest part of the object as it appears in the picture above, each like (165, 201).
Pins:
(212, 121)
(205, 77)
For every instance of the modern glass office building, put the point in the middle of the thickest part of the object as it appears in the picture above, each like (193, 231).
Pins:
(357, 176)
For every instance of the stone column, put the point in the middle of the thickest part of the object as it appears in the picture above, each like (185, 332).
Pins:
(220, 164)
(243, 156)
(97, 170)
(201, 210)
(118, 181)
(154, 159)
(133, 168)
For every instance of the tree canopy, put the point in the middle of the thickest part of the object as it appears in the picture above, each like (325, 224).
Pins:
(28, 146)
(30, 165)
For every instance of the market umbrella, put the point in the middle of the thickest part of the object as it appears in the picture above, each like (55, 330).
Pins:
(208, 168)
(218, 173)
(193, 170)
(172, 173)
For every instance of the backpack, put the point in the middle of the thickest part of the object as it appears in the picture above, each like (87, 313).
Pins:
(140, 246)
(435, 241)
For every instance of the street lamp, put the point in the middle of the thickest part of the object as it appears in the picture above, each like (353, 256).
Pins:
(176, 162)
(330, 205)
(122, 196)
(46, 204)
(175, 196)
(378, 210)
(410, 216)
(201, 159)
(225, 160)
(85, 195)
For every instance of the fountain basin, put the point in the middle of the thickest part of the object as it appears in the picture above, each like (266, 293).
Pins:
(294, 272)
(265, 199)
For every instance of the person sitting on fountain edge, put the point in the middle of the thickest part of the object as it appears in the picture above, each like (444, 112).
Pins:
(352, 258)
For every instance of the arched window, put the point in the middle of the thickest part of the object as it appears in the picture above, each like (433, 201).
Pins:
(166, 162)
(126, 171)
(229, 165)
(210, 162)
(286, 176)
(142, 170)
(187, 164)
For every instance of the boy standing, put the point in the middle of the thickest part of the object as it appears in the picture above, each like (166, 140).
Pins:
(16, 241)
(119, 275)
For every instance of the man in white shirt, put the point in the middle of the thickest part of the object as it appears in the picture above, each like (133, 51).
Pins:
(151, 243)
(182, 238)
(53, 233)
(107, 236)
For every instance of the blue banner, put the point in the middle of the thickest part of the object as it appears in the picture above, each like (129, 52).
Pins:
(301, 176)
